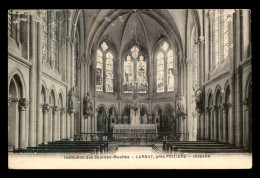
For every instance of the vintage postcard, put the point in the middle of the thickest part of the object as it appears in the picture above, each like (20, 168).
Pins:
(129, 89)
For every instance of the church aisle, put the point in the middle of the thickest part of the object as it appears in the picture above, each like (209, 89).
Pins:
(134, 151)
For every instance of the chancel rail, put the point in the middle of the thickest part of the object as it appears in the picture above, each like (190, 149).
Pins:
(132, 137)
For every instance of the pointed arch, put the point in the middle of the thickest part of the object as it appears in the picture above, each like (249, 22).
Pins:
(218, 93)
(19, 76)
(100, 106)
(113, 106)
(209, 98)
(157, 106)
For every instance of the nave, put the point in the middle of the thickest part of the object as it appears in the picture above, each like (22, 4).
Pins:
(86, 80)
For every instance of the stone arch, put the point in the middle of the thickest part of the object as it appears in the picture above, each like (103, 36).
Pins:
(219, 90)
(113, 106)
(15, 92)
(100, 106)
(157, 107)
(146, 109)
(19, 76)
(227, 93)
(169, 119)
(209, 96)
(52, 97)
(44, 94)
(101, 115)
(127, 106)
(157, 45)
(166, 106)
(61, 95)
(98, 29)
(226, 86)
(60, 100)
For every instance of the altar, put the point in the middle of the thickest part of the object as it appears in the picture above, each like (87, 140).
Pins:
(140, 131)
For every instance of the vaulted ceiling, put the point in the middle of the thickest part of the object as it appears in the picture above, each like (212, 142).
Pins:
(122, 26)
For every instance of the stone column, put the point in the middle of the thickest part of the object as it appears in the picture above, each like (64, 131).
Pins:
(68, 125)
(220, 123)
(198, 127)
(215, 123)
(212, 123)
(33, 83)
(224, 108)
(76, 123)
(22, 107)
(62, 124)
(71, 120)
(180, 124)
(202, 125)
(207, 123)
(39, 83)
(45, 110)
(231, 125)
(245, 14)
(89, 124)
(55, 123)
(246, 124)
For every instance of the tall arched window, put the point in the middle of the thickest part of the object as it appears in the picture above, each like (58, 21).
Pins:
(135, 71)
(221, 36)
(164, 62)
(109, 72)
(105, 67)
(216, 22)
(45, 35)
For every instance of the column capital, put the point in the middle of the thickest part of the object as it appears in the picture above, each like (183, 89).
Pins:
(200, 40)
(55, 109)
(62, 111)
(224, 107)
(215, 108)
(246, 104)
(73, 41)
(70, 110)
(207, 109)
(45, 107)
(23, 104)
(194, 114)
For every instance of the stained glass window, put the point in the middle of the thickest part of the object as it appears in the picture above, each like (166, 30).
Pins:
(128, 74)
(170, 74)
(221, 33)
(45, 33)
(105, 69)
(54, 63)
(135, 71)
(160, 72)
(141, 75)
(216, 37)
(225, 35)
(165, 68)
(109, 72)
(99, 75)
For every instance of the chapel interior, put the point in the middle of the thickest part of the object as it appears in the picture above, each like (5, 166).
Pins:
(91, 80)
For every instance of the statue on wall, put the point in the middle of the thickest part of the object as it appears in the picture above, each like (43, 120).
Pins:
(87, 104)
(199, 99)
(71, 98)
(180, 105)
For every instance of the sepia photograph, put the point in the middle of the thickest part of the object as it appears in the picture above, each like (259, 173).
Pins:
(129, 89)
